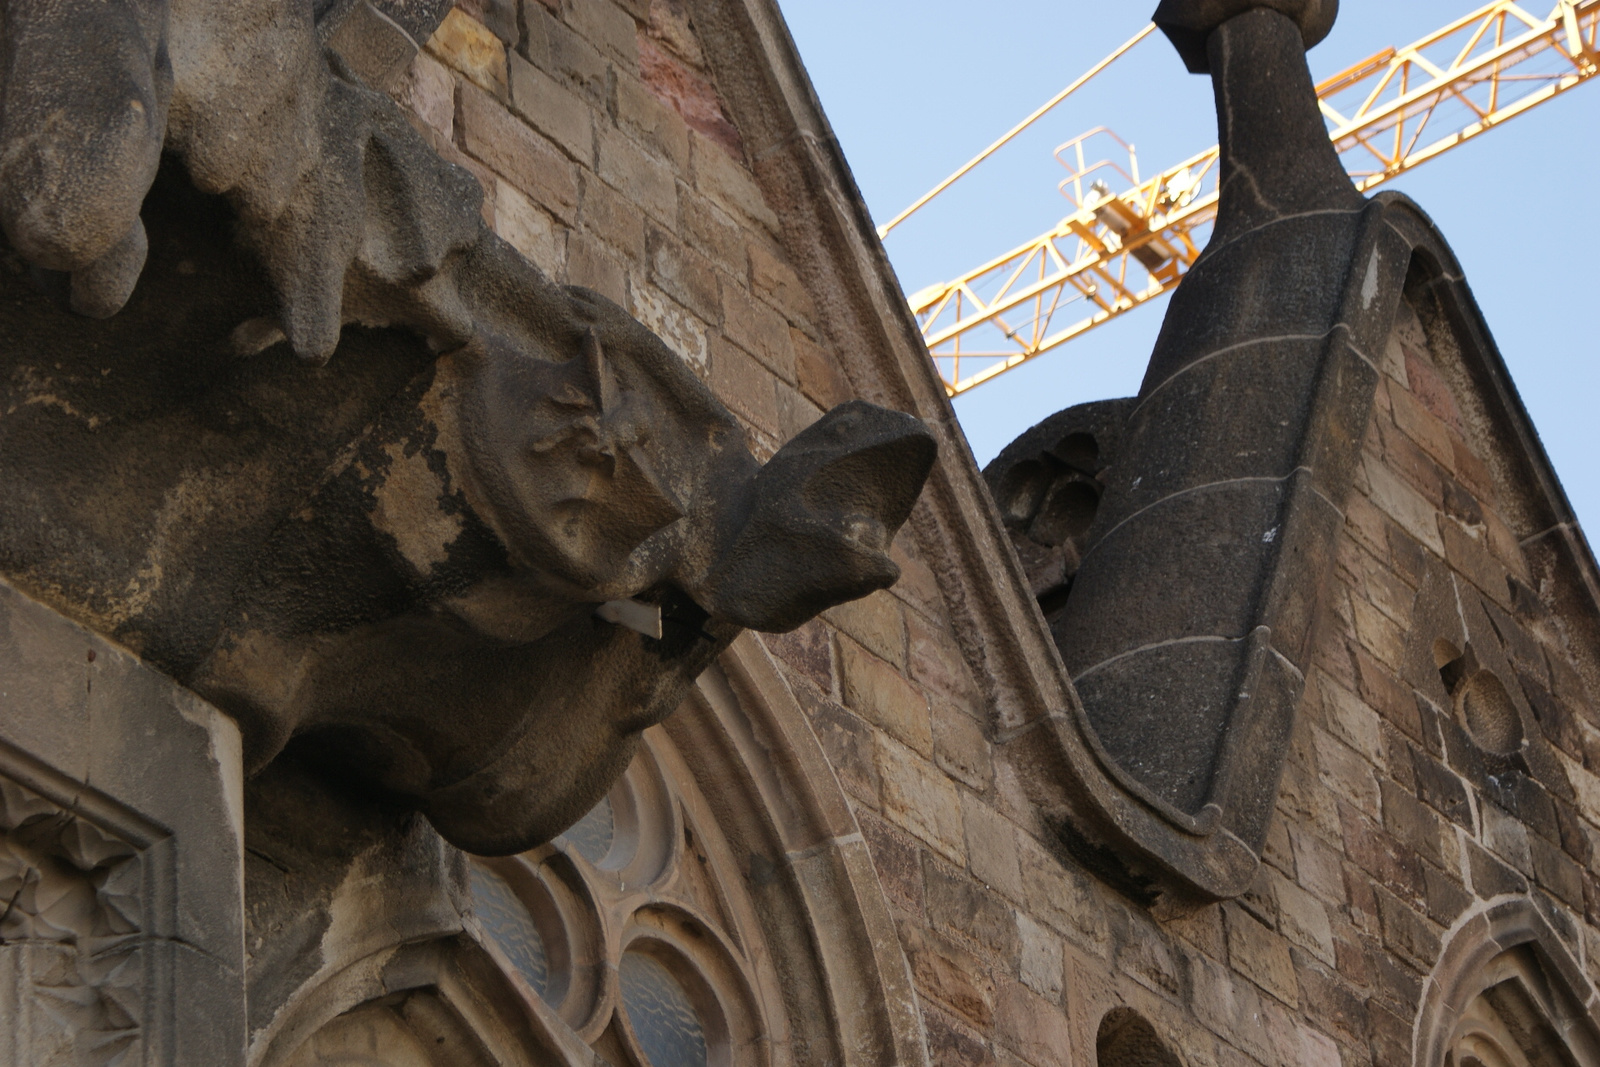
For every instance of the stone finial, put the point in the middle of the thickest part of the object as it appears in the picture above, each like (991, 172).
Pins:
(1188, 23)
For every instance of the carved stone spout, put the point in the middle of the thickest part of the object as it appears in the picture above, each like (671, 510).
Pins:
(344, 462)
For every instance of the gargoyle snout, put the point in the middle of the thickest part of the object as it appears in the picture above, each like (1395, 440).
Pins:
(823, 514)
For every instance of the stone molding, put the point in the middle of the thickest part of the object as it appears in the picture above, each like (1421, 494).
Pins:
(1549, 979)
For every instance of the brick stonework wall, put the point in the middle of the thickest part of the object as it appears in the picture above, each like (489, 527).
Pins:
(608, 159)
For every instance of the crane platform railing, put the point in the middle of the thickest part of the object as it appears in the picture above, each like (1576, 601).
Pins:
(1121, 249)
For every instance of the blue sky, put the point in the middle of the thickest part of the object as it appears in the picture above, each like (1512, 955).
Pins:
(914, 88)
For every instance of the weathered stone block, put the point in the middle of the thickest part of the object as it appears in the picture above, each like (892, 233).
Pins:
(991, 844)
(1303, 919)
(429, 90)
(642, 178)
(745, 386)
(877, 623)
(541, 240)
(685, 275)
(594, 266)
(1407, 507)
(950, 975)
(879, 693)
(1261, 953)
(725, 181)
(655, 125)
(553, 109)
(464, 43)
(760, 330)
(920, 799)
(609, 28)
(503, 142)
(959, 746)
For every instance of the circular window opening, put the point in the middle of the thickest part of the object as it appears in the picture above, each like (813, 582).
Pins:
(507, 922)
(1489, 714)
(1068, 513)
(1080, 450)
(662, 1015)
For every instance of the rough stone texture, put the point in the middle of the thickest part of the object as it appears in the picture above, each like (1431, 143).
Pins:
(1188, 24)
(409, 576)
(946, 873)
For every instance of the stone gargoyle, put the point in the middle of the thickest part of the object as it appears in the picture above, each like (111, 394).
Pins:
(282, 415)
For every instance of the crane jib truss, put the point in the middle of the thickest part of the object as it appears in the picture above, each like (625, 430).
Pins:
(1118, 251)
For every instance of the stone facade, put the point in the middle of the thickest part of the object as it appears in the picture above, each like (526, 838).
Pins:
(615, 163)
(885, 843)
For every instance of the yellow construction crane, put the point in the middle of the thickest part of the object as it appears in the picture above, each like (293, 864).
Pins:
(1130, 240)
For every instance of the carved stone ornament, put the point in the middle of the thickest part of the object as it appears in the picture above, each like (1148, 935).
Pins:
(70, 956)
(121, 848)
(1178, 541)
(284, 417)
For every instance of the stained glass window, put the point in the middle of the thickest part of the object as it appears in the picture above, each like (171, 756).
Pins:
(594, 833)
(669, 1031)
(506, 920)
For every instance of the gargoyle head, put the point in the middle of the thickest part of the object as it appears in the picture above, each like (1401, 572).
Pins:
(541, 480)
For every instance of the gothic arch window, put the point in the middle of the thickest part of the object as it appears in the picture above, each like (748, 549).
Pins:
(1126, 1039)
(635, 928)
(717, 909)
(1507, 993)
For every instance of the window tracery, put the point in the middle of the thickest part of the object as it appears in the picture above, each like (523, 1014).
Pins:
(629, 925)
(719, 907)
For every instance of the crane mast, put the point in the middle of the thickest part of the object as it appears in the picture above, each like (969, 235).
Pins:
(1129, 240)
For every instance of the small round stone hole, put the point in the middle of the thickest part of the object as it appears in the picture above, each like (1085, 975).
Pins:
(1068, 513)
(1489, 714)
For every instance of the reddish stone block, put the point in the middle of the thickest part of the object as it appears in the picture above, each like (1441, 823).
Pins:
(1431, 390)
(690, 94)
(949, 975)
(808, 649)
(898, 861)
(1377, 854)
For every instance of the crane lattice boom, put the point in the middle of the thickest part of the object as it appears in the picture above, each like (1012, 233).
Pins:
(1385, 115)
